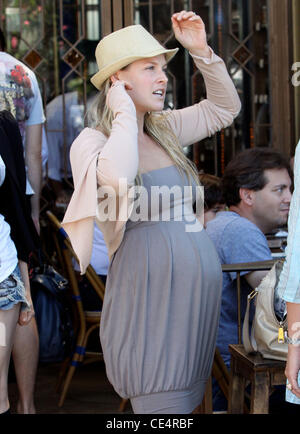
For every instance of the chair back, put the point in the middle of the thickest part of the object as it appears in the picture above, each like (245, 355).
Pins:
(65, 250)
(86, 322)
(238, 268)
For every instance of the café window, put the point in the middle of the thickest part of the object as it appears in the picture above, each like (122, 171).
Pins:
(57, 39)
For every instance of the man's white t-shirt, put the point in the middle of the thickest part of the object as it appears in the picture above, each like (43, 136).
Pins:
(20, 95)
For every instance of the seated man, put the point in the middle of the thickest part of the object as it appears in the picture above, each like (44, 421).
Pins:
(256, 188)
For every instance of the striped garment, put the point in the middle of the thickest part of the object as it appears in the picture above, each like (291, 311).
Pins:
(289, 283)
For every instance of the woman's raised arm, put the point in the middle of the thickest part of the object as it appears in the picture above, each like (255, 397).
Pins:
(222, 105)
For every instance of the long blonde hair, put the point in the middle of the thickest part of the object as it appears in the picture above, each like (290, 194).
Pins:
(156, 125)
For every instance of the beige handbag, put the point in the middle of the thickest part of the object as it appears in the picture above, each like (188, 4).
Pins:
(267, 334)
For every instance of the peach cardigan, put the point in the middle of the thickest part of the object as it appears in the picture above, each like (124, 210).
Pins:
(94, 157)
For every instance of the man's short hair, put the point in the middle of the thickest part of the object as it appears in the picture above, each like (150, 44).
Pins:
(2, 41)
(246, 170)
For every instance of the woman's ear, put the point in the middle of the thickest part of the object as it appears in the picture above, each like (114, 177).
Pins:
(115, 77)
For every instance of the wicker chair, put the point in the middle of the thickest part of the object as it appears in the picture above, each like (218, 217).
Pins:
(85, 322)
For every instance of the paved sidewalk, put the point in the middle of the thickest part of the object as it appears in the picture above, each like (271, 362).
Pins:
(89, 392)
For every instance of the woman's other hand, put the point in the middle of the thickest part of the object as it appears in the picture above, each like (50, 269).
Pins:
(293, 360)
(25, 316)
(189, 30)
(293, 368)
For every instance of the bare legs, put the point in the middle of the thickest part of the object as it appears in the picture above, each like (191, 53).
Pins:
(25, 356)
(8, 322)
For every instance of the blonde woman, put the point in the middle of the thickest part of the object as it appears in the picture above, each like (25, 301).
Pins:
(163, 292)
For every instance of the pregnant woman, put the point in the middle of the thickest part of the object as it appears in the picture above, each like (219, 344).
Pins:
(163, 291)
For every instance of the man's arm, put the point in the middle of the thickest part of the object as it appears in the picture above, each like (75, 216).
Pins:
(33, 159)
(255, 277)
(244, 242)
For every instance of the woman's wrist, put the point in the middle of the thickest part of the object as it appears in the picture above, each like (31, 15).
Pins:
(293, 342)
(201, 52)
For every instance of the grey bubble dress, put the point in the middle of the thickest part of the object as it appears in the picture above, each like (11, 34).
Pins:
(162, 299)
(161, 307)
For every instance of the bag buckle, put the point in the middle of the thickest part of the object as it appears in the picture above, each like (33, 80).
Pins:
(252, 294)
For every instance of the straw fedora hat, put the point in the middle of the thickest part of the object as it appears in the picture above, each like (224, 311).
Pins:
(120, 48)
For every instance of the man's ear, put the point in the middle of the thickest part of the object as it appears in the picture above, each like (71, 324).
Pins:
(247, 196)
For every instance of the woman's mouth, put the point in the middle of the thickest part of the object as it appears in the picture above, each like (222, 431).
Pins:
(159, 93)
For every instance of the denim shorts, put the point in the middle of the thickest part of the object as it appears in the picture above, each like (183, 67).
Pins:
(12, 291)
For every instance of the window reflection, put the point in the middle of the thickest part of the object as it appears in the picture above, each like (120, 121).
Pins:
(58, 40)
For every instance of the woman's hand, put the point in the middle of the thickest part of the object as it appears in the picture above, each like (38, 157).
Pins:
(26, 315)
(293, 360)
(292, 368)
(189, 30)
(117, 94)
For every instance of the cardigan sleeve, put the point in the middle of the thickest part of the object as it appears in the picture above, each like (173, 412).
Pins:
(218, 111)
(119, 156)
(95, 157)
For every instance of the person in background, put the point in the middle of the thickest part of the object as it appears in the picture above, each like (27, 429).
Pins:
(20, 95)
(257, 190)
(213, 196)
(289, 289)
(18, 238)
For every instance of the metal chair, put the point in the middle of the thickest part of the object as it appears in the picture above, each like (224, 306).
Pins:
(87, 322)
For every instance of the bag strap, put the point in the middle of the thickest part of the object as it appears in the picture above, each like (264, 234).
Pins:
(248, 338)
(42, 259)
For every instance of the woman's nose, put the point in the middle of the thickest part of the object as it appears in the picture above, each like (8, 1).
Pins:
(163, 77)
